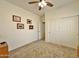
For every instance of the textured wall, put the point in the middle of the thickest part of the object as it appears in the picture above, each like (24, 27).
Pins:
(8, 29)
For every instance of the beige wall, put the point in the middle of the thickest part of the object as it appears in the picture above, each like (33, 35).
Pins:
(8, 29)
(62, 25)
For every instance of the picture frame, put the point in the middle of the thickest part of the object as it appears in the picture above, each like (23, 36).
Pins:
(16, 18)
(31, 27)
(29, 21)
(20, 26)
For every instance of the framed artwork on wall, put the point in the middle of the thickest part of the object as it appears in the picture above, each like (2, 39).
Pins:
(31, 27)
(20, 26)
(29, 21)
(16, 18)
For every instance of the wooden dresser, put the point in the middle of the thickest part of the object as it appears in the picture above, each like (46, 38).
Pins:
(4, 50)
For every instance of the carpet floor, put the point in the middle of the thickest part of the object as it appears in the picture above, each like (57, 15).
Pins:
(42, 49)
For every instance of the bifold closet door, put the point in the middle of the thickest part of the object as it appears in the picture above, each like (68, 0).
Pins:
(78, 39)
(64, 31)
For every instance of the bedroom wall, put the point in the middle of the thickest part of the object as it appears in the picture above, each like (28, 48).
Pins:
(8, 29)
(62, 25)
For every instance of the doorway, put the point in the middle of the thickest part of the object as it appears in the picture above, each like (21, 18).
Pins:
(41, 31)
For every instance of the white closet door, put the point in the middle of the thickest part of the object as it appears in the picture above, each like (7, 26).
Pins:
(64, 31)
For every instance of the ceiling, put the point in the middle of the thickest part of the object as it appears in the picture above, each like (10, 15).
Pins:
(34, 7)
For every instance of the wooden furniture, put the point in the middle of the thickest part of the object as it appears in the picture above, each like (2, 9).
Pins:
(3, 50)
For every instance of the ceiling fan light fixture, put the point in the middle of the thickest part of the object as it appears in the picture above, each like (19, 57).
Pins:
(42, 4)
(39, 4)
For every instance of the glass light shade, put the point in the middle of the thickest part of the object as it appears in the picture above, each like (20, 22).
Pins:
(44, 3)
(42, 6)
(39, 4)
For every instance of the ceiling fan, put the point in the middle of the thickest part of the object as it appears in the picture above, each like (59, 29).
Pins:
(42, 3)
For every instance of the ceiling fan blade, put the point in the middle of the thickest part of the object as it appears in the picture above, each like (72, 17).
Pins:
(49, 4)
(33, 2)
(40, 7)
(40, 0)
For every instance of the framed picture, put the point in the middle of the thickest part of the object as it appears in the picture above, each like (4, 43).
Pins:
(31, 27)
(20, 26)
(29, 21)
(16, 18)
